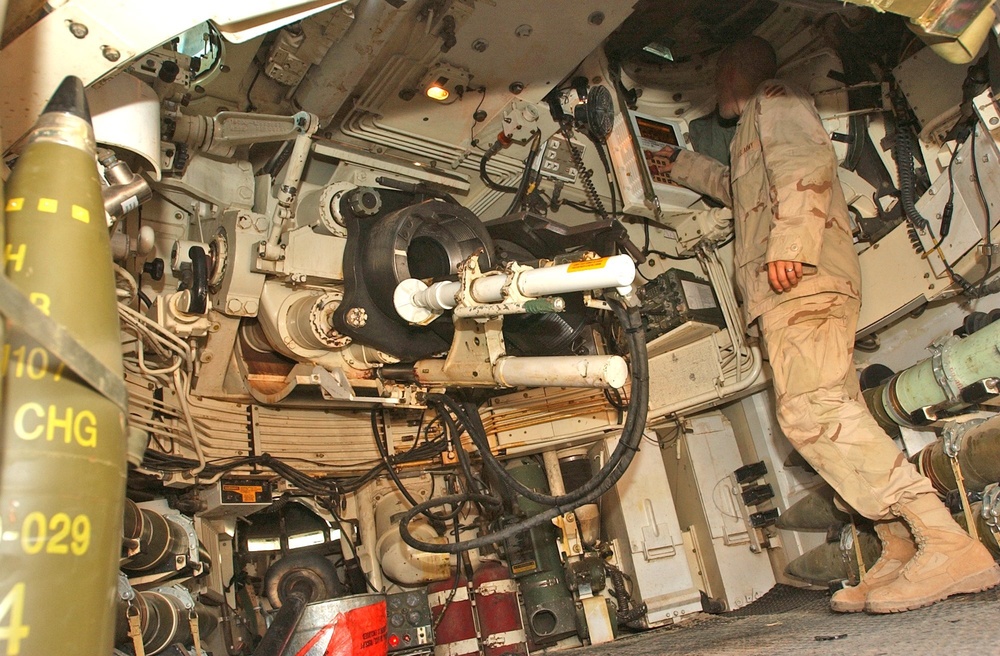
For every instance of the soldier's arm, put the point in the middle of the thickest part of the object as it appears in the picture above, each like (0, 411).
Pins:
(703, 174)
(801, 168)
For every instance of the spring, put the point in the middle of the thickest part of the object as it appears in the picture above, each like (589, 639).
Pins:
(585, 174)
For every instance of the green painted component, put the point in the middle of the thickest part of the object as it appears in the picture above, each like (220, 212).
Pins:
(63, 444)
(966, 361)
(826, 563)
(548, 603)
(978, 457)
(539, 306)
(814, 512)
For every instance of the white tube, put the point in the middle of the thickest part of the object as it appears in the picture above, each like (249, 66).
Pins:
(439, 296)
(562, 371)
(616, 271)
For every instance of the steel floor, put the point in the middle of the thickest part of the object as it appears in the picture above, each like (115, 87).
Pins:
(802, 624)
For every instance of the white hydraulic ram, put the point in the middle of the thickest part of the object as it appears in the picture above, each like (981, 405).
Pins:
(479, 301)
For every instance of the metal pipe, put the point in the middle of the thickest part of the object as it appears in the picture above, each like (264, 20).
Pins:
(279, 635)
(617, 271)
(943, 380)
(327, 85)
(562, 371)
(554, 371)
(288, 191)
(63, 443)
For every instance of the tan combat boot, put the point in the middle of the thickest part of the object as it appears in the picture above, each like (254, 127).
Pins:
(948, 561)
(897, 550)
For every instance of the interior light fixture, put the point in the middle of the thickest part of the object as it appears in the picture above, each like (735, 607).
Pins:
(445, 83)
(438, 89)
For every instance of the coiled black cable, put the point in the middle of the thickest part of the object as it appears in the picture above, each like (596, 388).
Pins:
(586, 176)
(903, 152)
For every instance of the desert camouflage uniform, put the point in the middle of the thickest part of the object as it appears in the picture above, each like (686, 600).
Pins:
(788, 205)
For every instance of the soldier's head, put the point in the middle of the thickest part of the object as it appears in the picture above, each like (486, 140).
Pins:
(742, 66)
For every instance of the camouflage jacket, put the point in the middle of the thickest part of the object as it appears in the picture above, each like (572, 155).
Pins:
(786, 198)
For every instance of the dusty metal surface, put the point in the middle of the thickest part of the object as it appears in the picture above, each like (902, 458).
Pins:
(802, 624)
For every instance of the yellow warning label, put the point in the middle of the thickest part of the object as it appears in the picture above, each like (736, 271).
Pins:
(526, 566)
(50, 205)
(15, 204)
(587, 265)
(247, 492)
(81, 214)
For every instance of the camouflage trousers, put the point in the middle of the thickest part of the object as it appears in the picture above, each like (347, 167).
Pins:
(810, 343)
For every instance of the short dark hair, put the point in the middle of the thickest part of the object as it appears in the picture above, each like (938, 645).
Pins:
(751, 58)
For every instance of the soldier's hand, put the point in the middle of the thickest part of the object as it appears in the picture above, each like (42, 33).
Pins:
(662, 160)
(783, 275)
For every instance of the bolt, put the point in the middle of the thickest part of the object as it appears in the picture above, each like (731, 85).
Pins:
(79, 30)
(111, 54)
(523, 31)
(480, 45)
(516, 87)
(596, 18)
(357, 317)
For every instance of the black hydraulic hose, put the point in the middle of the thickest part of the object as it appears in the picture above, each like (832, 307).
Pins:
(286, 620)
(635, 422)
(455, 434)
(485, 176)
(383, 451)
(515, 204)
(625, 614)
(593, 489)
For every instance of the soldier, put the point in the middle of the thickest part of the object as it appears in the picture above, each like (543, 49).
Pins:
(799, 276)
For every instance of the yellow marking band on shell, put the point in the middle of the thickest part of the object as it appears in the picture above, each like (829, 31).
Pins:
(81, 214)
(50, 205)
(15, 204)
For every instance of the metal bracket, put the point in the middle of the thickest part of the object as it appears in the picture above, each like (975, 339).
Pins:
(336, 387)
(953, 433)
(991, 509)
(940, 353)
(737, 492)
(952, 437)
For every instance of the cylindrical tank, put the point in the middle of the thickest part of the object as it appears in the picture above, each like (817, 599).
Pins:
(159, 539)
(455, 634)
(498, 611)
(164, 619)
(938, 380)
(401, 562)
(63, 443)
(349, 626)
(978, 456)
